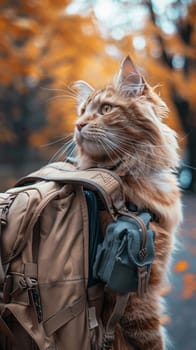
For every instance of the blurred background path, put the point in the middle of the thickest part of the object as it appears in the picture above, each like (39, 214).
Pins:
(181, 323)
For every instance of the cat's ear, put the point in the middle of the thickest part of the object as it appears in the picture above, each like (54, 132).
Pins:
(83, 90)
(128, 81)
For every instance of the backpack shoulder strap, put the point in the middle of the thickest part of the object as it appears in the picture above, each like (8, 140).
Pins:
(106, 183)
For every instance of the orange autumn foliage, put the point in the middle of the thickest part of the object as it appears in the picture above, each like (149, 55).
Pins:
(181, 266)
(47, 43)
(189, 286)
(40, 41)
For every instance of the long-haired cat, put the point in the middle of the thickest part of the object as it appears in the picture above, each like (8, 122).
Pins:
(120, 128)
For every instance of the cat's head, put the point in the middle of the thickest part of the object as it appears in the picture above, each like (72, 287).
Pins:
(120, 126)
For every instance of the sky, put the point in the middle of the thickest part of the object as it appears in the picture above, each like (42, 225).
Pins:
(117, 18)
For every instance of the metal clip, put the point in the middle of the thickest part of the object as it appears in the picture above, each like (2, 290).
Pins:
(108, 341)
(142, 253)
(142, 280)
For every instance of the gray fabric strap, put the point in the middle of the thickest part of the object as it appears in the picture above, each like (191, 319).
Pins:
(117, 313)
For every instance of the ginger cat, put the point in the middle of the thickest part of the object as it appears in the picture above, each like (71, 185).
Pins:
(120, 128)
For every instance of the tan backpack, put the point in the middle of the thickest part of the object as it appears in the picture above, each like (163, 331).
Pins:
(45, 300)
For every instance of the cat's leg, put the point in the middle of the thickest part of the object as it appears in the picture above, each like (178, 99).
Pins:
(141, 323)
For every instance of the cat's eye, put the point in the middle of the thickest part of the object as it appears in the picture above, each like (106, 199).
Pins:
(105, 108)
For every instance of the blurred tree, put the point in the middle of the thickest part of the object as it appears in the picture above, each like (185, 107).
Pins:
(42, 47)
(178, 54)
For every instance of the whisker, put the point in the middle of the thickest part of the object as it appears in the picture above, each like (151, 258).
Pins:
(57, 155)
(68, 93)
(188, 166)
(117, 154)
(148, 151)
(133, 142)
(65, 149)
(107, 151)
(53, 142)
(75, 93)
(59, 97)
(71, 153)
(123, 151)
(53, 89)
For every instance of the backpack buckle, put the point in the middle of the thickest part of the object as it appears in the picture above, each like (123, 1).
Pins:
(3, 215)
(31, 285)
(4, 209)
(27, 282)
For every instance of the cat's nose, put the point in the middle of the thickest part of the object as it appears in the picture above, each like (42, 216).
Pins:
(80, 125)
